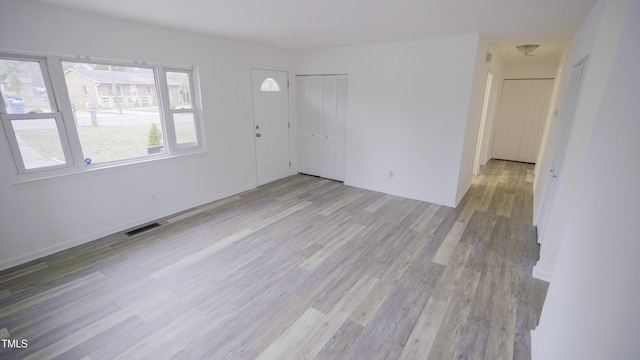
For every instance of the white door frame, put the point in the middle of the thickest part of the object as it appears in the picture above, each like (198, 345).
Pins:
(482, 130)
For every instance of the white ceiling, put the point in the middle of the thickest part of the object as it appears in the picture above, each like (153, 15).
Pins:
(300, 24)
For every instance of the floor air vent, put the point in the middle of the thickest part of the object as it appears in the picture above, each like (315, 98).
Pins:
(142, 229)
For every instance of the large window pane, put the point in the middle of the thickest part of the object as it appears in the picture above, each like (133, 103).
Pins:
(23, 88)
(185, 128)
(39, 143)
(179, 90)
(116, 109)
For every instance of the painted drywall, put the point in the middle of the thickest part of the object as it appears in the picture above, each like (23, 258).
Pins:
(38, 220)
(601, 28)
(408, 110)
(476, 96)
(591, 311)
(533, 69)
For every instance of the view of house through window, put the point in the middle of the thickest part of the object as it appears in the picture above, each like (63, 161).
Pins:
(113, 121)
(121, 112)
(23, 88)
(182, 109)
(29, 117)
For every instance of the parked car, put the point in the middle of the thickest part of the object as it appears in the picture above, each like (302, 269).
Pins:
(14, 104)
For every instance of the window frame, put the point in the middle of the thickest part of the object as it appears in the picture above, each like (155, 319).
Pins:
(193, 110)
(54, 113)
(62, 112)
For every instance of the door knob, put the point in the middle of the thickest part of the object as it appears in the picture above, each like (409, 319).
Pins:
(258, 135)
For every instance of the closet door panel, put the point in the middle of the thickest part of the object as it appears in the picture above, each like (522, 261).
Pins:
(540, 97)
(341, 126)
(328, 149)
(315, 105)
(328, 106)
(328, 158)
(303, 126)
(522, 113)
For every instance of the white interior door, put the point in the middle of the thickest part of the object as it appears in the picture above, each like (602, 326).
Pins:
(521, 117)
(271, 124)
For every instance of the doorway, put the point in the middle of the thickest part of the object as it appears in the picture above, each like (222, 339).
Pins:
(271, 124)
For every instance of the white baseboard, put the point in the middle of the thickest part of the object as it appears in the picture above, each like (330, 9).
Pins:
(541, 274)
(462, 194)
(33, 255)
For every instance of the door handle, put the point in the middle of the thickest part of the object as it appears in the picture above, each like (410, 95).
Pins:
(258, 135)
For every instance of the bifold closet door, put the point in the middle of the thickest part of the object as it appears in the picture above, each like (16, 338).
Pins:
(322, 101)
(521, 115)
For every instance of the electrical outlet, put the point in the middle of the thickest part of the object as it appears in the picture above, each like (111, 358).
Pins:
(390, 173)
(154, 197)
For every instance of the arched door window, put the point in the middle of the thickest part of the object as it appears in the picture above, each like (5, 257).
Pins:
(269, 85)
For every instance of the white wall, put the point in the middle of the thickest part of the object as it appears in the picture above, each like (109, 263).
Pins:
(598, 36)
(531, 69)
(38, 220)
(591, 310)
(408, 110)
(581, 45)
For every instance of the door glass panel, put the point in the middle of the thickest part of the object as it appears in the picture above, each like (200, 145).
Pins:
(22, 87)
(269, 84)
(39, 142)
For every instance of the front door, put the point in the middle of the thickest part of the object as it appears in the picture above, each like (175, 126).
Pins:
(271, 124)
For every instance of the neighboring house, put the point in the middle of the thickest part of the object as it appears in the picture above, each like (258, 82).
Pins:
(108, 88)
(26, 87)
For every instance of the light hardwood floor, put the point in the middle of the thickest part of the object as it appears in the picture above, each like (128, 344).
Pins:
(302, 268)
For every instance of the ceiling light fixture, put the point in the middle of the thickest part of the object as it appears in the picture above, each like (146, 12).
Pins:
(527, 49)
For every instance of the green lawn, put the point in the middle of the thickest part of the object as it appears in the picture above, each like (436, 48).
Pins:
(102, 143)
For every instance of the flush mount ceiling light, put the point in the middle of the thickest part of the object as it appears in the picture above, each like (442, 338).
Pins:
(527, 49)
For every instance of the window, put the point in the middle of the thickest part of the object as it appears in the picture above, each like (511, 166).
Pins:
(112, 126)
(269, 84)
(32, 123)
(181, 108)
(116, 127)
(113, 89)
